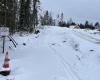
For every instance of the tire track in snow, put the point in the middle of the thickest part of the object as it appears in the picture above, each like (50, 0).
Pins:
(64, 66)
(72, 74)
(86, 37)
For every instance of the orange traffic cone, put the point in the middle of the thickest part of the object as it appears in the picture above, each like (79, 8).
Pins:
(6, 69)
(6, 61)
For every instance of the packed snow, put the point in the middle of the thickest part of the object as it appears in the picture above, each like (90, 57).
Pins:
(54, 54)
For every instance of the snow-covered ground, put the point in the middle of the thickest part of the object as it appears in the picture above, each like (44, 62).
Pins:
(55, 54)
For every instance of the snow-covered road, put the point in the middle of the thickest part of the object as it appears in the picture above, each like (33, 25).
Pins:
(54, 54)
(87, 37)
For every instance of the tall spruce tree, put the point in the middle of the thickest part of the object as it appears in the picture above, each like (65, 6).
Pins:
(22, 15)
(47, 19)
(35, 13)
(27, 14)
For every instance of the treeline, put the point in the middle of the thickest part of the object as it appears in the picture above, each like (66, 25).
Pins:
(19, 15)
(86, 25)
(24, 16)
(47, 19)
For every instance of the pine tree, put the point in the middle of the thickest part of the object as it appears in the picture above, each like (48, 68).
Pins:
(22, 15)
(8, 14)
(27, 14)
(97, 25)
(47, 19)
(61, 21)
(87, 24)
(62, 17)
(36, 6)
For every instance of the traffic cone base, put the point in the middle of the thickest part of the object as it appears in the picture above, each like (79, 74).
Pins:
(5, 67)
(5, 73)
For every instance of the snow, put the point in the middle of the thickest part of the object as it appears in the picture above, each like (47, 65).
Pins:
(55, 54)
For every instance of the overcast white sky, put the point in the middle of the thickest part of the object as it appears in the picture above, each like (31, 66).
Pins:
(78, 10)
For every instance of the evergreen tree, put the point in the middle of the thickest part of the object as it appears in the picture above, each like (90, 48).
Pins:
(47, 19)
(28, 17)
(22, 15)
(86, 24)
(89, 26)
(62, 17)
(8, 14)
(27, 14)
(62, 23)
(36, 6)
(97, 25)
